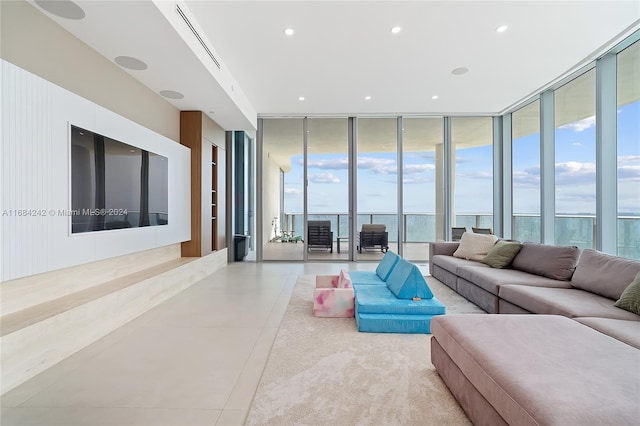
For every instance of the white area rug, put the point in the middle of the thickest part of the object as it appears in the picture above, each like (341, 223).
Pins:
(322, 371)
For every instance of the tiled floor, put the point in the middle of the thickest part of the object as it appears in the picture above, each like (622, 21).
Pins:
(194, 360)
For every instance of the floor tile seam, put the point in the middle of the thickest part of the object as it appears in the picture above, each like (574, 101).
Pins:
(262, 332)
(244, 368)
(255, 391)
(197, 327)
(118, 407)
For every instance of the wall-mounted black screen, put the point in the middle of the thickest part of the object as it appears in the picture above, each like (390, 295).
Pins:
(115, 185)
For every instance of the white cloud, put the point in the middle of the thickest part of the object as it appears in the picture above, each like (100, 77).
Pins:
(323, 178)
(629, 172)
(576, 144)
(581, 125)
(292, 191)
(417, 168)
(572, 172)
(629, 159)
(480, 174)
(383, 166)
(329, 164)
(527, 177)
(416, 180)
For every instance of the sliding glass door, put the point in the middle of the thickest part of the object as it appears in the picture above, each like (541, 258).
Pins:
(422, 197)
(283, 184)
(377, 191)
(327, 189)
(472, 185)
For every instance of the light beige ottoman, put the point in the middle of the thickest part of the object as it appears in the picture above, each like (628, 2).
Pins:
(536, 370)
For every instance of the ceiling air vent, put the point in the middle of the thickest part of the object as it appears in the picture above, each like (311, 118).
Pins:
(195, 33)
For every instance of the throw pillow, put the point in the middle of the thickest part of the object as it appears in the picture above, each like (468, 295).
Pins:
(474, 246)
(555, 262)
(501, 254)
(630, 298)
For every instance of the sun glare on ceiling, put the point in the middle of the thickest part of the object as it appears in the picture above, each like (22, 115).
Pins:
(367, 98)
(396, 30)
(434, 97)
(501, 29)
(289, 31)
(301, 98)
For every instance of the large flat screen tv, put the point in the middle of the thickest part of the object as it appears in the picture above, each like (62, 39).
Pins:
(115, 185)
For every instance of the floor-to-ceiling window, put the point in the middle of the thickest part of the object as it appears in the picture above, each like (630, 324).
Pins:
(328, 187)
(472, 139)
(377, 178)
(628, 102)
(283, 183)
(575, 162)
(525, 134)
(422, 188)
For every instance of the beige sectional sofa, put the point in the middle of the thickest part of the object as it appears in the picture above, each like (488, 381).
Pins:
(542, 279)
(575, 363)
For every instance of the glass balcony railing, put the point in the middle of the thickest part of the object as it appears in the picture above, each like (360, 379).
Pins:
(578, 230)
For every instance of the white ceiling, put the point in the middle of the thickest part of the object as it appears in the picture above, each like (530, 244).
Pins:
(343, 51)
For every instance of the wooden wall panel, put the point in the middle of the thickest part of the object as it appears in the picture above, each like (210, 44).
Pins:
(191, 137)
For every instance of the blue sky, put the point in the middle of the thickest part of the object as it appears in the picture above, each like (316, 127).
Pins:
(377, 178)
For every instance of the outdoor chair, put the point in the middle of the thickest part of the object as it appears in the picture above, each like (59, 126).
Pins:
(482, 231)
(372, 236)
(319, 235)
(456, 232)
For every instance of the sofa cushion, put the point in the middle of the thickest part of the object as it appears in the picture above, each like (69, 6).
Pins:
(379, 300)
(365, 278)
(491, 279)
(568, 302)
(406, 281)
(556, 262)
(474, 246)
(452, 264)
(604, 274)
(532, 376)
(630, 298)
(626, 331)
(386, 265)
(502, 254)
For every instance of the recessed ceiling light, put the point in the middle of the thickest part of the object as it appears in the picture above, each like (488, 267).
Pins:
(367, 98)
(434, 97)
(396, 30)
(130, 63)
(171, 94)
(460, 71)
(289, 31)
(301, 98)
(501, 28)
(62, 8)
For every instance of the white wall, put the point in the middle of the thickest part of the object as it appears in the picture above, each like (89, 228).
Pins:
(36, 175)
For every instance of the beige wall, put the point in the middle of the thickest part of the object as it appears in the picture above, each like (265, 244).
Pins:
(37, 44)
